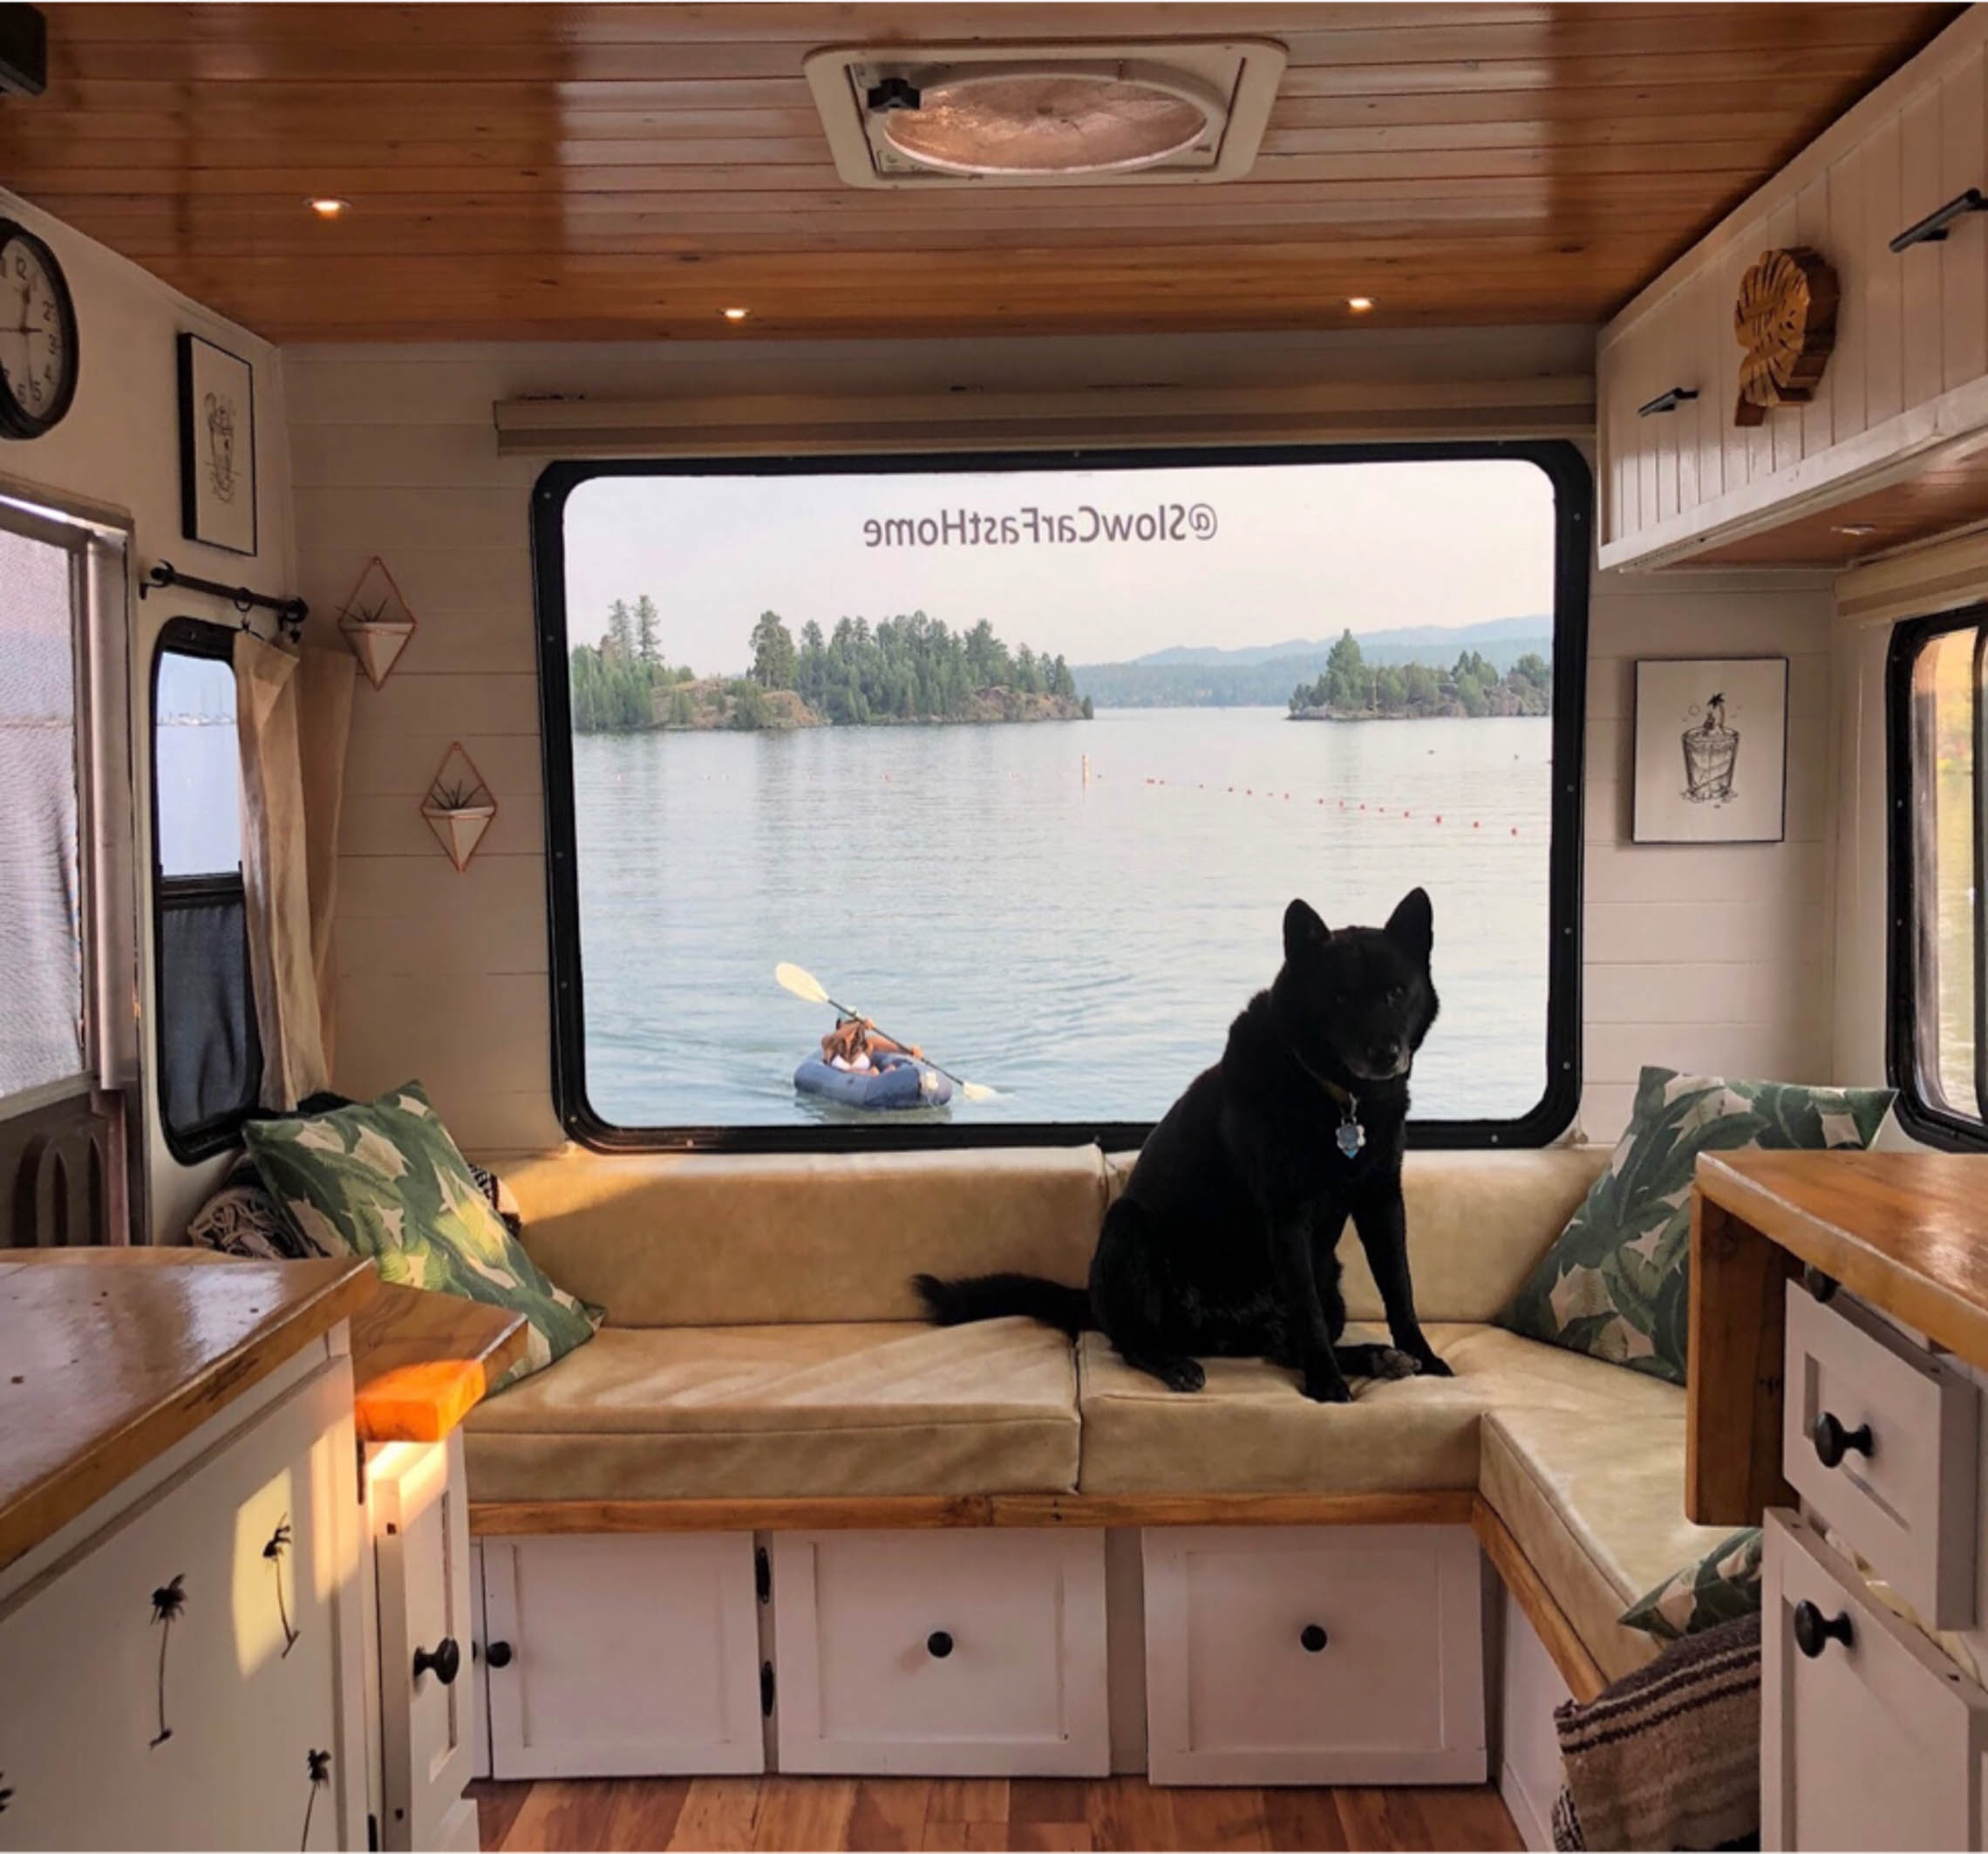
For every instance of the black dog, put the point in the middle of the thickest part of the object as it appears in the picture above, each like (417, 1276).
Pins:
(1223, 1243)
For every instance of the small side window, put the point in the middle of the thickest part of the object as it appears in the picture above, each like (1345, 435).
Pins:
(210, 1058)
(1938, 1055)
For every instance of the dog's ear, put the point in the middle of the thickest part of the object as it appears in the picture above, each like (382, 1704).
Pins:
(1303, 930)
(1412, 926)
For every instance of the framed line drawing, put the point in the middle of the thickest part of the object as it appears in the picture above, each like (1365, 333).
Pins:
(217, 447)
(1710, 750)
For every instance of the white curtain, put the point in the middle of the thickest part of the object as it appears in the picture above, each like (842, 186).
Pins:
(293, 712)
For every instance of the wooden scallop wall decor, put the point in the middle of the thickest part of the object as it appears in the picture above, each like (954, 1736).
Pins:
(375, 622)
(1785, 319)
(459, 806)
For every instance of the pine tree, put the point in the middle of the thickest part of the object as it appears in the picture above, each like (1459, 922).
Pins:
(620, 639)
(645, 648)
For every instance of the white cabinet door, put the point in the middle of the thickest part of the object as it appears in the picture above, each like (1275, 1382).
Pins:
(948, 1654)
(236, 1723)
(1873, 1742)
(1314, 1655)
(420, 1524)
(622, 1656)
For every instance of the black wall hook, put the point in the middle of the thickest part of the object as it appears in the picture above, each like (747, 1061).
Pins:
(1667, 401)
(1932, 229)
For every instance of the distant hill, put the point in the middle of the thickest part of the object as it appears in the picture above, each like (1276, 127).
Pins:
(1191, 675)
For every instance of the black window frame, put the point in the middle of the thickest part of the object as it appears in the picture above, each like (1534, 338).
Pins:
(187, 637)
(1560, 460)
(1911, 1053)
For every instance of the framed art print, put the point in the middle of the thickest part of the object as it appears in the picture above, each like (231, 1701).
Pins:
(1710, 750)
(217, 447)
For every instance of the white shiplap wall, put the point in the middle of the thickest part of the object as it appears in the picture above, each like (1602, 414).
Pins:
(1715, 956)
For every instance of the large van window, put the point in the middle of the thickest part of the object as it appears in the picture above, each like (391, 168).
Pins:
(1939, 837)
(210, 1058)
(1022, 758)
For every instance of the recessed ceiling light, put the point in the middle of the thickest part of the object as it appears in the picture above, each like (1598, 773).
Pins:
(1359, 305)
(736, 315)
(327, 207)
(1855, 530)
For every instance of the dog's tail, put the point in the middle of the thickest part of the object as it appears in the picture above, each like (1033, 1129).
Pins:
(996, 1297)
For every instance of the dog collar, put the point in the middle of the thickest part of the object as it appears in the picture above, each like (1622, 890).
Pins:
(1350, 1136)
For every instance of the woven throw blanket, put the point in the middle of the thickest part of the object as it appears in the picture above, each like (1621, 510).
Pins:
(1668, 1756)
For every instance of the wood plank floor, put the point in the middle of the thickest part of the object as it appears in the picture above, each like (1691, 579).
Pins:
(819, 1812)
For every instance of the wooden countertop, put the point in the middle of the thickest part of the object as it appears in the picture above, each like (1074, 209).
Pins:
(110, 1356)
(422, 1360)
(1905, 1231)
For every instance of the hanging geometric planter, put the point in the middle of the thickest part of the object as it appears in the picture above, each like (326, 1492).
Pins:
(375, 622)
(460, 806)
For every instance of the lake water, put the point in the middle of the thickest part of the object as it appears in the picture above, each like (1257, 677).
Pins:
(1081, 947)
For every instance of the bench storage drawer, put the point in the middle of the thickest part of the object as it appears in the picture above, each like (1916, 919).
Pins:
(942, 1654)
(622, 1656)
(1879, 1440)
(1314, 1655)
(1869, 1737)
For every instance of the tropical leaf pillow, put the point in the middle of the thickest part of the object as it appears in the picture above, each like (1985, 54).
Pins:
(1723, 1584)
(1616, 1283)
(385, 1180)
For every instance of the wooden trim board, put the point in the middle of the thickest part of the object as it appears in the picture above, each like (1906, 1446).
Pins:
(422, 1360)
(514, 1519)
(1564, 1648)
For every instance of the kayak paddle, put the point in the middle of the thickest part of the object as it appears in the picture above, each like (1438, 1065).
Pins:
(805, 986)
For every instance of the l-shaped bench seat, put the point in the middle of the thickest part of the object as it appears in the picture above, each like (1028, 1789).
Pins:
(764, 1343)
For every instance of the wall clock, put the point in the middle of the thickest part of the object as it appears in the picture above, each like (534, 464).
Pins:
(38, 336)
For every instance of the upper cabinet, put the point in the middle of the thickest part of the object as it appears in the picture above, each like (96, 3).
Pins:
(1893, 444)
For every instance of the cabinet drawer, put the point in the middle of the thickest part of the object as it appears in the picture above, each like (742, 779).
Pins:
(1314, 1655)
(1898, 1423)
(955, 1654)
(1871, 1742)
(612, 1656)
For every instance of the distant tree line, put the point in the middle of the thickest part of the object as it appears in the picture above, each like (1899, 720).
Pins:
(911, 668)
(1351, 686)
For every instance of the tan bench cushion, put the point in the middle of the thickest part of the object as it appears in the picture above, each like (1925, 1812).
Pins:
(664, 1239)
(1249, 1430)
(1594, 1494)
(1478, 1222)
(685, 1413)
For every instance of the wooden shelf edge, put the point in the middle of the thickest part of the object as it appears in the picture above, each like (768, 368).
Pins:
(503, 1518)
(1564, 1648)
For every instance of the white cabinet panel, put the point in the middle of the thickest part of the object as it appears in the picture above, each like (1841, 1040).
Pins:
(121, 1730)
(420, 1523)
(1878, 1436)
(622, 1656)
(942, 1654)
(1874, 1739)
(1314, 1655)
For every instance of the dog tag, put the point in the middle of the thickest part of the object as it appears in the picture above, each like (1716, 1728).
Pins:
(1351, 1135)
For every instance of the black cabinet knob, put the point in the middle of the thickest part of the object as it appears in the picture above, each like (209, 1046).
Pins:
(1821, 1287)
(1832, 1442)
(498, 1654)
(938, 1645)
(445, 1662)
(1814, 1631)
(1312, 1638)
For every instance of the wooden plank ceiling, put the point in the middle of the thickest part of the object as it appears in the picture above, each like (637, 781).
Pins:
(631, 171)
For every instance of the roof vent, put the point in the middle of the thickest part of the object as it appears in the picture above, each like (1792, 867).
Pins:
(1038, 115)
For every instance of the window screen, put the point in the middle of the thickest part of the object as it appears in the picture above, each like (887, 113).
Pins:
(210, 1058)
(41, 933)
(1022, 758)
(1938, 718)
